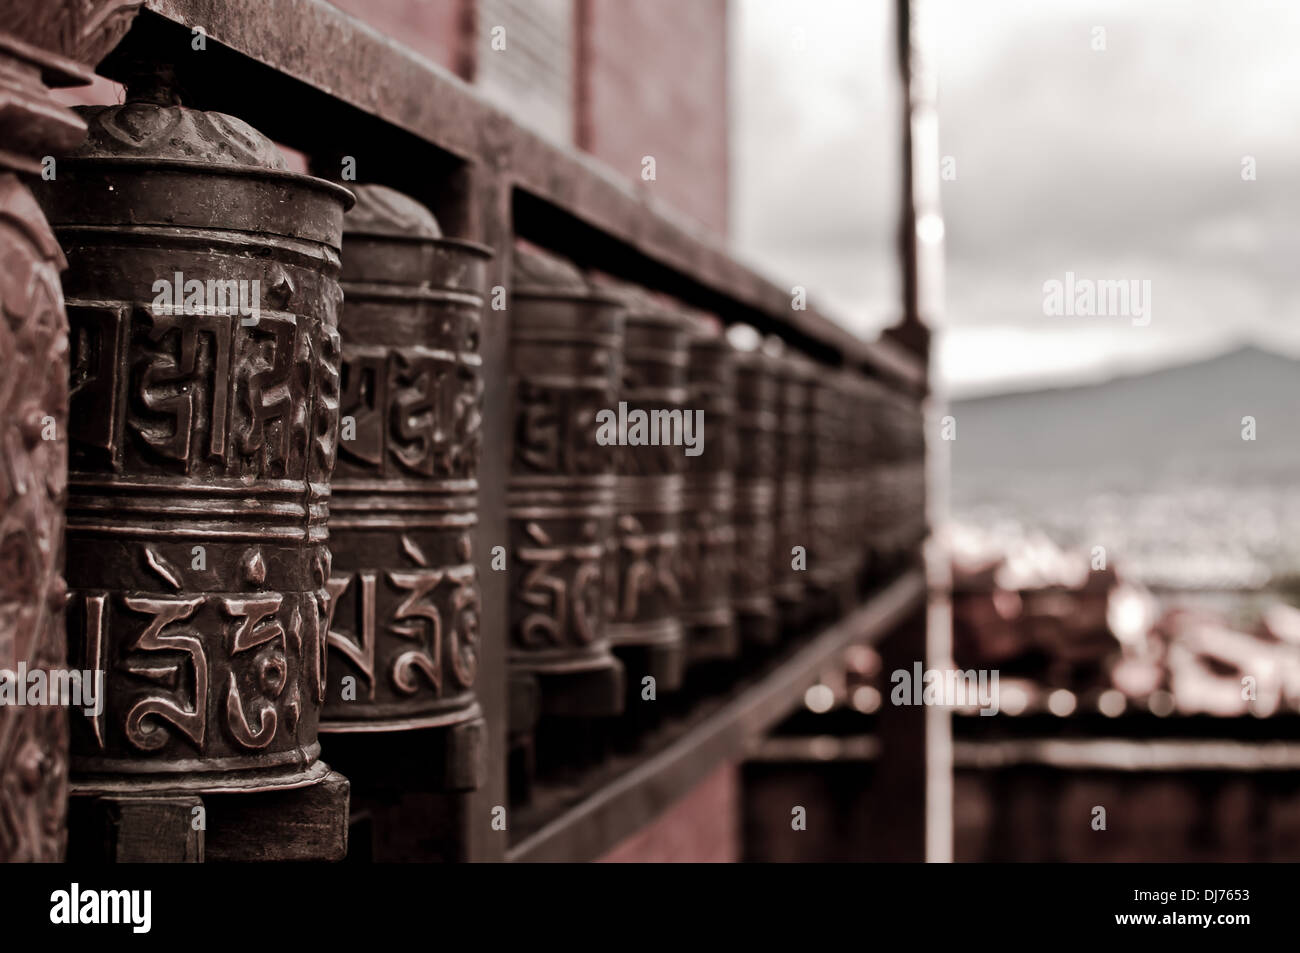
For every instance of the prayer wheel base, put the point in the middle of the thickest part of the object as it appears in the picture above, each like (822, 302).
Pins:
(307, 823)
(408, 789)
(594, 693)
(711, 641)
(758, 630)
(567, 748)
(794, 616)
(449, 758)
(665, 662)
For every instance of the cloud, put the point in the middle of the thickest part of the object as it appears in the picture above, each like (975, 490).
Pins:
(1122, 163)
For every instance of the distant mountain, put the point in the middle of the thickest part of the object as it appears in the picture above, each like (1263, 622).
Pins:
(1152, 467)
(1178, 423)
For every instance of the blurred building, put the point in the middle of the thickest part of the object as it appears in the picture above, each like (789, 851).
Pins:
(621, 81)
(1128, 730)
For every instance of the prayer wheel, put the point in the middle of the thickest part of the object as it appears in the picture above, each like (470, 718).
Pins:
(824, 511)
(650, 461)
(789, 552)
(203, 296)
(708, 533)
(756, 467)
(404, 595)
(565, 368)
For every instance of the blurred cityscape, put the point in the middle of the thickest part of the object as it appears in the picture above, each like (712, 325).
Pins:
(1151, 553)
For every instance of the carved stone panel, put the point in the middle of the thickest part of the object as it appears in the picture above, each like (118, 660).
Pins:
(33, 443)
(33, 461)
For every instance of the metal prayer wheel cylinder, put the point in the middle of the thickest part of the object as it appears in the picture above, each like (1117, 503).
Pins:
(645, 594)
(708, 533)
(890, 449)
(757, 424)
(826, 489)
(854, 483)
(203, 297)
(404, 594)
(791, 530)
(901, 450)
(565, 346)
(912, 473)
(847, 559)
(870, 466)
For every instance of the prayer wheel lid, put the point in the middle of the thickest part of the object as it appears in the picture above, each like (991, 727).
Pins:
(702, 324)
(645, 307)
(151, 130)
(390, 213)
(538, 270)
(706, 338)
(173, 165)
(706, 331)
(788, 361)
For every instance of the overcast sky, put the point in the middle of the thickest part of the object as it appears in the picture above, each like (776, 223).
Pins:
(1121, 164)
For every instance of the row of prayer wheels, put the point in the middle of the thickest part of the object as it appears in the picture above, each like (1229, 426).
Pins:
(276, 399)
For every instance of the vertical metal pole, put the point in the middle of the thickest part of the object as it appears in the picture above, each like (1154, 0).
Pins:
(921, 236)
(921, 221)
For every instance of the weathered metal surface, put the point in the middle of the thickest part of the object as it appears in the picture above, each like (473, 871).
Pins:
(203, 438)
(565, 344)
(404, 596)
(33, 445)
(757, 462)
(708, 545)
(645, 595)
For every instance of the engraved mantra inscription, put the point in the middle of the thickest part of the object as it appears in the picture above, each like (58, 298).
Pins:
(418, 619)
(427, 408)
(200, 387)
(648, 567)
(562, 587)
(555, 431)
(706, 554)
(188, 651)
